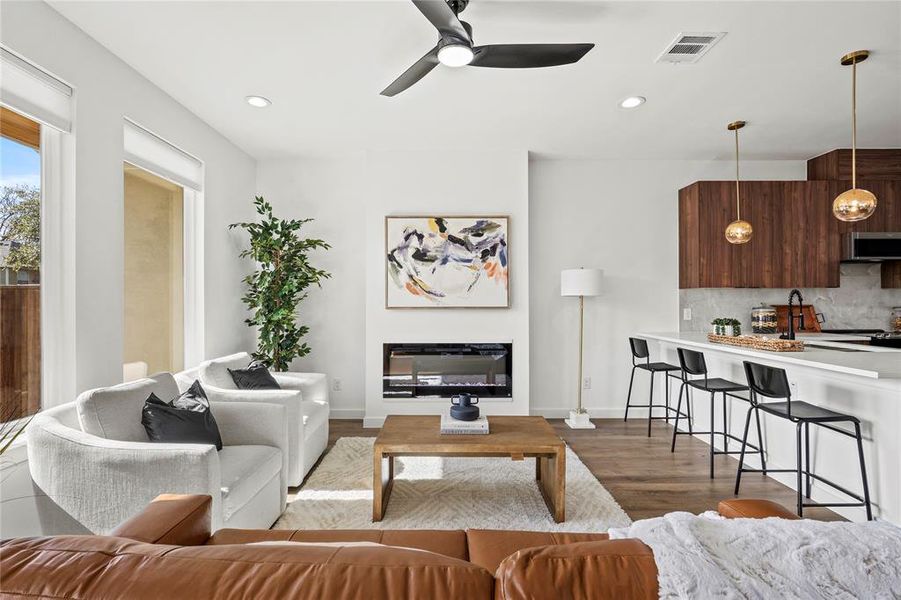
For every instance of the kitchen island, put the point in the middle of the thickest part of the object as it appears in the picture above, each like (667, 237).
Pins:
(833, 371)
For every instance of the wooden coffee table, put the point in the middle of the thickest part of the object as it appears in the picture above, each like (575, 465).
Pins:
(516, 437)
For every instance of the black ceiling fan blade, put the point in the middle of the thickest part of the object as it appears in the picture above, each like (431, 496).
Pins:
(419, 70)
(443, 18)
(528, 56)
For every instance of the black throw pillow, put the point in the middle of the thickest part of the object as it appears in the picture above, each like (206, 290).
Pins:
(255, 377)
(186, 419)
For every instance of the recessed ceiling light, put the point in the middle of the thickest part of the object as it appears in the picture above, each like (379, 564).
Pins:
(258, 101)
(632, 102)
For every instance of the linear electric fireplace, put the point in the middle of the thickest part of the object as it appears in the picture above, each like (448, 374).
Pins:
(445, 370)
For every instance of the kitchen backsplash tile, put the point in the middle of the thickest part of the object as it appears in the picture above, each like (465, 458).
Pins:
(859, 303)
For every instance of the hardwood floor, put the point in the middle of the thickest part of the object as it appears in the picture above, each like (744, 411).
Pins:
(642, 474)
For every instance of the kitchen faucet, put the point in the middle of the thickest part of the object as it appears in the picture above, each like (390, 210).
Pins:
(790, 334)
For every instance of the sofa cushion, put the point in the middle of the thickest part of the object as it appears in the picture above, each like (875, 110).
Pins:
(750, 508)
(114, 412)
(488, 547)
(245, 470)
(255, 377)
(622, 569)
(186, 419)
(215, 372)
(107, 567)
(315, 413)
(449, 542)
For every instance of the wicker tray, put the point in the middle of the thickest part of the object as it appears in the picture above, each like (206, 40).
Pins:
(757, 342)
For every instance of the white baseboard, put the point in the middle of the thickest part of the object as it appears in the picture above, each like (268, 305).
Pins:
(373, 422)
(562, 413)
(345, 413)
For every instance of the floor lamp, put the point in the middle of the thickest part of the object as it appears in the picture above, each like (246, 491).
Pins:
(581, 283)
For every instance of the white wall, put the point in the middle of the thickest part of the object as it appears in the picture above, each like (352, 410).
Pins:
(446, 183)
(349, 198)
(622, 217)
(107, 90)
(333, 193)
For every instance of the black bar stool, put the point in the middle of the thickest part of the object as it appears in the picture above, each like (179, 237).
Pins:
(772, 382)
(639, 348)
(693, 363)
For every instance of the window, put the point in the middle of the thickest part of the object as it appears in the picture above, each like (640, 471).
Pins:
(20, 266)
(154, 274)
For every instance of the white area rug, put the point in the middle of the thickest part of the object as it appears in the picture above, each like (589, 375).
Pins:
(445, 493)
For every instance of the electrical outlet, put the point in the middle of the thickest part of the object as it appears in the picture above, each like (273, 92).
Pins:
(686, 314)
(586, 383)
(336, 385)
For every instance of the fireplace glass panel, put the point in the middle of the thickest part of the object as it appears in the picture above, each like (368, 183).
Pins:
(446, 370)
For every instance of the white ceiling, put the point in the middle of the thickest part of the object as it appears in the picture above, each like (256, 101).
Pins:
(324, 63)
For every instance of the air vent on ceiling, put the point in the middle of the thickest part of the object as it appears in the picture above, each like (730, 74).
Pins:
(689, 47)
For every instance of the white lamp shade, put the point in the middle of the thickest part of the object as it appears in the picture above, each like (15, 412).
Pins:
(581, 282)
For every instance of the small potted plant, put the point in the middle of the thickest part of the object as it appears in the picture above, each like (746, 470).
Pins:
(735, 326)
(719, 326)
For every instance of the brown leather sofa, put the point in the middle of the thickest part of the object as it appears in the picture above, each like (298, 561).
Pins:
(167, 552)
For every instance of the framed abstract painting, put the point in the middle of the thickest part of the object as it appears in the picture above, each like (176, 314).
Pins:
(447, 262)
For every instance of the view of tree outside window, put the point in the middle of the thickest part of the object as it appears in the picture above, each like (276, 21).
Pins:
(20, 266)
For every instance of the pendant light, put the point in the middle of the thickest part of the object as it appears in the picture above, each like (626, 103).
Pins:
(854, 204)
(738, 231)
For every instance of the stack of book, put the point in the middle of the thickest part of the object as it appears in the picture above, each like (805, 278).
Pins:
(452, 426)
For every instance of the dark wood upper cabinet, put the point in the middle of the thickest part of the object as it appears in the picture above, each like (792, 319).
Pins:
(797, 240)
(871, 164)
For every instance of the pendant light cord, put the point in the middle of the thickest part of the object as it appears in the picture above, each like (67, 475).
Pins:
(854, 124)
(737, 190)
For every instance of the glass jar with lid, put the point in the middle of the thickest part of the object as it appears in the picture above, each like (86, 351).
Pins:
(763, 319)
(896, 319)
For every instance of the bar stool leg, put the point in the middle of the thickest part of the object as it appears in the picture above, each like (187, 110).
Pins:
(744, 445)
(712, 447)
(725, 424)
(798, 467)
(667, 378)
(651, 403)
(759, 439)
(688, 403)
(629, 396)
(807, 457)
(676, 421)
(863, 472)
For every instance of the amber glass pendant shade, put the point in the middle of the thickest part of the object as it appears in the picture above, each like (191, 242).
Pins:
(855, 204)
(739, 232)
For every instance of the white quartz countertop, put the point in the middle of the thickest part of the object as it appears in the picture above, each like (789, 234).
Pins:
(834, 353)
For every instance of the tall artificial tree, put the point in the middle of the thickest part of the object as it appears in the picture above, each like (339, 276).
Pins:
(279, 284)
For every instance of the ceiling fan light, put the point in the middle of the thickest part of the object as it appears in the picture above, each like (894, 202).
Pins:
(455, 55)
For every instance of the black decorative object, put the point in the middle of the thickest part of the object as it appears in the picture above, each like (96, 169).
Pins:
(463, 407)
(255, 377)
(186, 419)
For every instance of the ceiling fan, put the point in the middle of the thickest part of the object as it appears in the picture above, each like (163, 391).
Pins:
(455, 48)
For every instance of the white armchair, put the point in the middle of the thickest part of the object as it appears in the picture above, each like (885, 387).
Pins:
(305, 396)
(94, 459)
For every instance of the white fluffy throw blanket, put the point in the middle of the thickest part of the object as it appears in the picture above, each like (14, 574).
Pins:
(708, 556)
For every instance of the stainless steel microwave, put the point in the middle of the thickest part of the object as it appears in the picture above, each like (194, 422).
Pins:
(866, 246)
